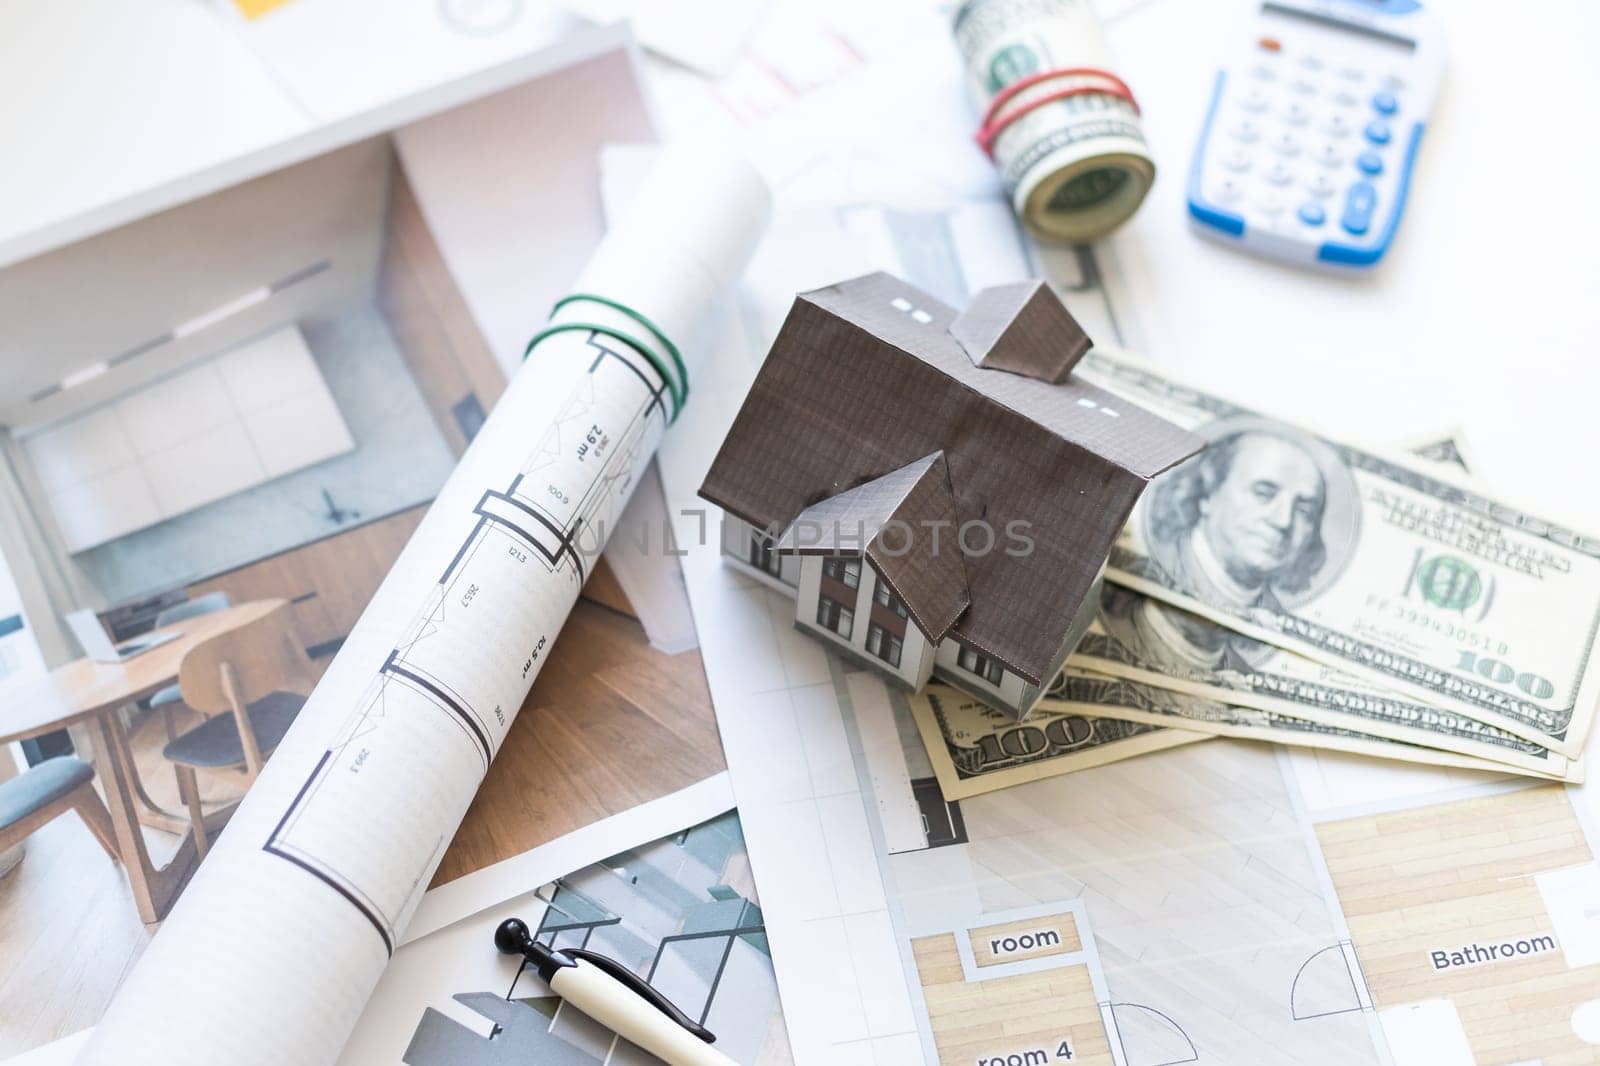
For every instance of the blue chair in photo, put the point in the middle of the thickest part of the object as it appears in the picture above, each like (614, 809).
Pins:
(45, 792)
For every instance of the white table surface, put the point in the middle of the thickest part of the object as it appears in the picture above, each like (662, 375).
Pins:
(1478, 318)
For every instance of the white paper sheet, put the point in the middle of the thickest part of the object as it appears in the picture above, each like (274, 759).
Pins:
(703, 34)
(338, 59)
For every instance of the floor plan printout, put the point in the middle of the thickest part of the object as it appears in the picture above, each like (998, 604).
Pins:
(321, 867)
(1224, 903)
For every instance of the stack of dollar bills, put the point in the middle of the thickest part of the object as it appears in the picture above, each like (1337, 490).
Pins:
(1287, 587)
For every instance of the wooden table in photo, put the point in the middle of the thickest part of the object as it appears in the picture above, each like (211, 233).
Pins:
(85, 697)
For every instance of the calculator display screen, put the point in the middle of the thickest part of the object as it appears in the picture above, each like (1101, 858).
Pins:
(1394, 40)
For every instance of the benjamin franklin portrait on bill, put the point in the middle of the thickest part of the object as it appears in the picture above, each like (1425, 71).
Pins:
(1258, 521)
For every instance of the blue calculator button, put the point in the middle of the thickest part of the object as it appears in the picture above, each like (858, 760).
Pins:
(1358, 205)
(1378, 131)
(1384, 103)
(1312, 214)
(1370, 163)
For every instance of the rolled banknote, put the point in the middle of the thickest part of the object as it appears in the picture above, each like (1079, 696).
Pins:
(976, 749)
(1412, 578)
(1086, 693)
(1061, 127)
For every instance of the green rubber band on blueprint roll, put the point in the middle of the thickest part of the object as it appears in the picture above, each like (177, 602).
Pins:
(678, 384)
(622, 309)
(637, 345)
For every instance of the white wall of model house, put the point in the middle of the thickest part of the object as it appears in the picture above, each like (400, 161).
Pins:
(802, 578)
(974, 674)
(916, 657)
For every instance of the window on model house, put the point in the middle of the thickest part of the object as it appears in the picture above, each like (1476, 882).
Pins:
(831, 614)
(974, 663)
(884, 644)
(845, 571)
(762, 557)
(885, 598)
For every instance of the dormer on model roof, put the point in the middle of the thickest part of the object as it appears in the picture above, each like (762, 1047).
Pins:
(936, 489)
(1023, 328)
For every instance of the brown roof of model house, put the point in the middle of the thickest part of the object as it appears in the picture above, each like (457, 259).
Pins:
(865, 379)
(1022, 328)
(883, 520)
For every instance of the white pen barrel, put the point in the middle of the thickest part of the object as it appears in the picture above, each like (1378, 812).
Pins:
(626, 1013)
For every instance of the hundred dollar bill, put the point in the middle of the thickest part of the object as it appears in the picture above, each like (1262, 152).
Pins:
(976, 749)
(1214, 673)
(1214, 680)
(1066, 139)
(1085, 692)
(1444, 449)
(1410, 577)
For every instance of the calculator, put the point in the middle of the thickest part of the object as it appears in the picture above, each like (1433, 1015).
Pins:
(1308, 147)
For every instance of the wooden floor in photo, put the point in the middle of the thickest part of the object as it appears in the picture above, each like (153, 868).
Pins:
(1454, 875)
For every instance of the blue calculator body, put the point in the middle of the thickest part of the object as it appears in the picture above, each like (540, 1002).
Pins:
(1308, 147)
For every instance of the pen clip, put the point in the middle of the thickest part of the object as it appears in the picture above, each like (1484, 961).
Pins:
(614, 969)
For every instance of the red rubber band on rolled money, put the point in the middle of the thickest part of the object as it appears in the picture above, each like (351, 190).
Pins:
(994, 122)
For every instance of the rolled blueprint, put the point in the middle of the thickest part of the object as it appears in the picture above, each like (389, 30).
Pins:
(1062, 128)
(274, 949)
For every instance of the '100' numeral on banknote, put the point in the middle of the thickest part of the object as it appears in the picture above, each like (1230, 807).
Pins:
(976, 749)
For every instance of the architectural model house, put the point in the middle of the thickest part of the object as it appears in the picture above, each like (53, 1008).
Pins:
(935, 489)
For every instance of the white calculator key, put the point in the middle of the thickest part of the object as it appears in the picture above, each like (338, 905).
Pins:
(1268, 203)
(1394, 83)
(1346, 98)
(1254, 101)
(1229, 190)
(1354, 75)
(1236, 159)
(1329, 156)
(1286, 144)
(1278, 174)
(1336, 126)
(1321, 186)
(1296, 114)
(1246, 131)
(1262, 72)
(1311, 62)
(1304, 86)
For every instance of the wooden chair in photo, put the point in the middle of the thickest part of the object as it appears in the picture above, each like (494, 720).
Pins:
(169, 698)
(250, 683)
(44, 792)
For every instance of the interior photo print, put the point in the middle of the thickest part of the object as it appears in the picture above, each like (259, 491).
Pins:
(762, 533)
